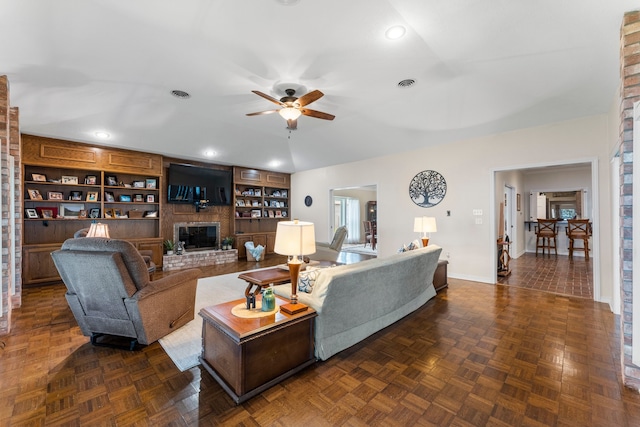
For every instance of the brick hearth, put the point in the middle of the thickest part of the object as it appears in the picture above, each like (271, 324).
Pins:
(198, 259)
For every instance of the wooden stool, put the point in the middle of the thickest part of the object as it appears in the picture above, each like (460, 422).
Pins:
(547, 231)
(579, 229)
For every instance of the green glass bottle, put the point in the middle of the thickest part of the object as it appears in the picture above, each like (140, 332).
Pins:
(268, 300)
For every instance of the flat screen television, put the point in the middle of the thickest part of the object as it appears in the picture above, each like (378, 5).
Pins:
(188, 184)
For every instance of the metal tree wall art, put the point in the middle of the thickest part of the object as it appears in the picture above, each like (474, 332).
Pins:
(427, 188)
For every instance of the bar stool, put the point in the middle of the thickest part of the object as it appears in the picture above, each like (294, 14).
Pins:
(579, 229)
(547, 231)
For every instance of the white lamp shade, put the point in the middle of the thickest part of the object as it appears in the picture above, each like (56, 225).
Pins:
(425, 224)
(98, 230)
(295, 238)
(289, 113)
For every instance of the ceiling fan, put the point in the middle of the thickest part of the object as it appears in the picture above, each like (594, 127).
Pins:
(293, 107)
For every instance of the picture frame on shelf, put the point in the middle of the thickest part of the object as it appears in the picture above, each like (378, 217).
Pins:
(109, 197)
(283, 193)
(151, 214)
(272, 214)
(138, 184)
(94, 213)
(240, 202)
(71, 210)
(117, 213)
(54, 195)
(278, 214)
(39, 177)
(76, 196)
(138, 198)
(83, 214)
(34, 194)
(47, 213)
(66, 179)
(31, 213)
(257, 192)
(111, 180)
(151, 198)
(92, 196)
(284, 214)
(108, 213)
(124, 198)
(151, 183)
(255, 203)
(255, 213)
(91, 180)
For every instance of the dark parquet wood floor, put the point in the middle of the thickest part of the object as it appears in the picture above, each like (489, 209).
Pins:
(476, 355)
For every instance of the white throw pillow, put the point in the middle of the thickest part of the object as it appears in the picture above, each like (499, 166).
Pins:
(307, 279)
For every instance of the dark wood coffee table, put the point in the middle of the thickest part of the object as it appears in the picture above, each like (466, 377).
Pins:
(248, 355)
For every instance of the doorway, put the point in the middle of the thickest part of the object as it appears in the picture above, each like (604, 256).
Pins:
(350, 207)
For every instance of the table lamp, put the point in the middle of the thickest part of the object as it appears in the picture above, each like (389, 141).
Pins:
(294, 239)
(424, 225)
(98, 229)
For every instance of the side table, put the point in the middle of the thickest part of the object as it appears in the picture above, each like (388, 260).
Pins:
(248, 355)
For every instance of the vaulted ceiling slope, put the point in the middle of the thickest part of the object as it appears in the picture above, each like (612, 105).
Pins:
(480, 67)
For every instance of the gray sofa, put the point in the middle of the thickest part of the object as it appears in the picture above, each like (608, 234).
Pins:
(354, 301)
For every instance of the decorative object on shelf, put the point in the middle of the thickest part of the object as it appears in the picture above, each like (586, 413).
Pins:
(135, 213)
(83, 214)
(308, 201)
(151, 214)
(295, 239)
(94, 213)
(151, 183)
(31, 213)
(424, 225)
(54, 195)
(68, 210)
(256, 213)
(98, 229)
(69, 179)
(427, 188)
(76, 196)
(92, 196)
(34, 194)
(48, 212)
(138, 184)
(268, 299)
(91, 180)
(138, 198)
(111, 180)
(151, 198)
(109, 197)
(124, 198)
(38, 177)
(168, 246)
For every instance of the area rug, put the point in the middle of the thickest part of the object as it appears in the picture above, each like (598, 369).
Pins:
(184, 345)
(359, 249)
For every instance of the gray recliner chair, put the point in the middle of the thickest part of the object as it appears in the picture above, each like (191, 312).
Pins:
(330, 251)
(110, 293)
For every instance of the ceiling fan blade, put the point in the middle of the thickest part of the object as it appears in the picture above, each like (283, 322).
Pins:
(309, 98)
(259, 113)
(292, 124)
(267, 97)
(317, 114)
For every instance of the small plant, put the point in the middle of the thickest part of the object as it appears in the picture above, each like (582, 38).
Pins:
(227, 242)
(168, 245)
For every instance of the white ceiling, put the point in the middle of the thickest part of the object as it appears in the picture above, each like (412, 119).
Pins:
(481, 67)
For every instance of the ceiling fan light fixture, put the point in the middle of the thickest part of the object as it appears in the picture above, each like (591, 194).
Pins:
(406, 83)
(289, 113)
(395, 32)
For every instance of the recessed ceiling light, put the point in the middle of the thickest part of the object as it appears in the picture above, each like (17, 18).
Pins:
(209, 153)
(274, 163)
(395, 32)
(102, 134)
(406, 83)
(180, 94)
(288, 2)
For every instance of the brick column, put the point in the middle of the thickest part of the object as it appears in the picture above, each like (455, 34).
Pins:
(630, 94)
(7, 262)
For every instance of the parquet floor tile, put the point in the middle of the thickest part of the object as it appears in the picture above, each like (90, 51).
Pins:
(476, 355)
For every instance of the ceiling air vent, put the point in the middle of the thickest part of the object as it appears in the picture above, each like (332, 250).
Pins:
(180, 94)
(406, 83)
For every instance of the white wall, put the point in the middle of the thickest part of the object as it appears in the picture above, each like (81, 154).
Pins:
(468, 167)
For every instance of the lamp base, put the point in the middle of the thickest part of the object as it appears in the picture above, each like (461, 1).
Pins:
(291, 308)
(425, 242)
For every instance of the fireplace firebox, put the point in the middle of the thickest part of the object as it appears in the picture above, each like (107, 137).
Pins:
(197, 236)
